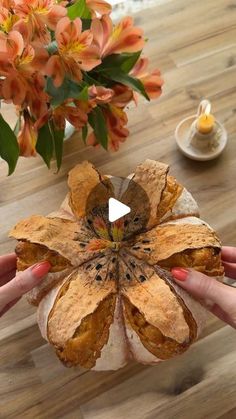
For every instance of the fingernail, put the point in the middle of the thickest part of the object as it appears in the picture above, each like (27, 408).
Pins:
(181, 274)
(41, 269)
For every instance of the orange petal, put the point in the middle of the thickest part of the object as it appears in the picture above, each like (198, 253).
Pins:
(90, 58)
(56, 70)
(140, 67)
(15, 44)
(102, 30)
(72, 68)
(13, 88)
(27, 137)
(122, 95)
(24, 29)
(40, 59)
(152, 85)
(127, 40)
(56, 13)
(100, 94)
(99, 6)
(76, 116)
(67, 31)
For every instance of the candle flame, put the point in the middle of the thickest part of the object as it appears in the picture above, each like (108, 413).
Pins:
(208, 109)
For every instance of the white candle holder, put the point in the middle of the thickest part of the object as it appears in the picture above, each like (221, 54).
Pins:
(196, 145)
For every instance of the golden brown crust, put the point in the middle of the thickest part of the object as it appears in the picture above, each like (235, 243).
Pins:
(82, 287)
(82, 179)
(84, 348)
(65, 237)
(151, 337)
(166, 240)
(152, 177)
(73, 321)
(29, 253)
(206, 260)
(158, 304)
(169, 196)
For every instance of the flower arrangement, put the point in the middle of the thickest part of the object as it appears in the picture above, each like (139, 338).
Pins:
(66, 61)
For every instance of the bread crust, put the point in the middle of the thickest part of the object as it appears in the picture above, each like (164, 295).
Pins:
(110, 298)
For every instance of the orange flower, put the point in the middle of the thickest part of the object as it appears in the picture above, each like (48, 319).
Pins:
(123, 37)
(99, 6)
(76, 115)
(152, 81)
(27, 137)
(7, 19)
(100, 95)
(39, 16)
(19, 64)
(122, 95)
(75, 49)
(116, 119)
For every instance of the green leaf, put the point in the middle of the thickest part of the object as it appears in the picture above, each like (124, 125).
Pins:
(44, 145)
(86, 24)
(79, 9)
(129, 81)
(90, 80)
(83, 94)
(84, 133)
(125, 62)
(68, 89)
(52, 47)
(9, 148)
(58, 140)
(98, 123)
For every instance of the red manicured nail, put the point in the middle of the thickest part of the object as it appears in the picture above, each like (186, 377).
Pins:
(41, 269)
(180, 274)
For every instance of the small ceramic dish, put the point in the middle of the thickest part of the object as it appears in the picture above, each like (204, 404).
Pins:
(183, 139)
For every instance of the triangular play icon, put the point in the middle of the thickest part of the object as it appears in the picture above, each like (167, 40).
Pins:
(116, 210)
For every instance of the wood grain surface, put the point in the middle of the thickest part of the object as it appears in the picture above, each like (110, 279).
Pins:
(194, 45)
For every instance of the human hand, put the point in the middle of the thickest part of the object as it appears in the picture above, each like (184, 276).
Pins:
(12, 285)
(219, 298)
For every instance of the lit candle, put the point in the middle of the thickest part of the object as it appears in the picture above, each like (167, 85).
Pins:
(206, 121)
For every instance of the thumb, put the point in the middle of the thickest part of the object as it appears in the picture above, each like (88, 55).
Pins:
(219, 298)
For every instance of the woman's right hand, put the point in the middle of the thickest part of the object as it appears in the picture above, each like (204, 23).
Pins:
(219, 298)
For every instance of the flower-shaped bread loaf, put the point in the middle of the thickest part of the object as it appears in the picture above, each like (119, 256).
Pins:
(109, 297)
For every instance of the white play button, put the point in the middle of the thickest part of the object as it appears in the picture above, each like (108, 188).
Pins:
(117, 210)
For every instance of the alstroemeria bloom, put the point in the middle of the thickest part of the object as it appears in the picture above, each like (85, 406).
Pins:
(27, 137)
(76, 115)
(40, 16)
(7, 19)
(122, 95)
(100, 95)
(100, 7)
(152, 81)
(19, 65)
(123, 37)
(75, 52)
(116, 119)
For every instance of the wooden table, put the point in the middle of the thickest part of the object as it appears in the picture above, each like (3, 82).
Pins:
(194, 44)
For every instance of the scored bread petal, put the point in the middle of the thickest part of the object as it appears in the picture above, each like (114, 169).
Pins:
(174, 237)
(63, 236)
(152, 177)
(79, 321)
(161, 320)
(169, 197)
(82, 180)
